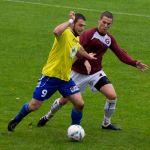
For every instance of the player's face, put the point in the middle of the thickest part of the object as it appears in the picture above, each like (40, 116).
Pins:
(79, 26)
(104, 24)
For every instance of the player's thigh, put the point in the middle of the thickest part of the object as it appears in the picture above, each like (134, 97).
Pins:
(70, 91)
(46, 87)
(105, 87)
(109, 91)
(97, 80)
(68, 88)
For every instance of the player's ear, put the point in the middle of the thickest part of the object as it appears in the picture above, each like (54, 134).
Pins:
(98, 22)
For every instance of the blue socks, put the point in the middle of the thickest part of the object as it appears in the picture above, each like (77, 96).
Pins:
(23, 112)
(76, 116)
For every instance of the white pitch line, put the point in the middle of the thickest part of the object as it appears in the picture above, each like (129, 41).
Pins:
(69, 7)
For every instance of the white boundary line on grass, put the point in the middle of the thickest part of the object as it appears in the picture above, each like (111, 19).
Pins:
(68, 7)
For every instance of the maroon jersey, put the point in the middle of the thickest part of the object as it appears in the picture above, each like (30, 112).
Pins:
(95, 42)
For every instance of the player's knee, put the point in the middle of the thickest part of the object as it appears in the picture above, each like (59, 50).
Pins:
(112, 96)
(63, 101)
(34, 105)
(80, 106)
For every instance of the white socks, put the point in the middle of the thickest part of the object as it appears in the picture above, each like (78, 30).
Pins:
(109, 108)
(54, 108)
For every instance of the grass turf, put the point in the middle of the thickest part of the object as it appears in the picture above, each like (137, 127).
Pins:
(25, 40)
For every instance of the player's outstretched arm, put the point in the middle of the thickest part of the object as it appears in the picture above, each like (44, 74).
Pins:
(141, 66)
(60, 28)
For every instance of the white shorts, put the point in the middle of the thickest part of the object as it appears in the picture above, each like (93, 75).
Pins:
(82, 81)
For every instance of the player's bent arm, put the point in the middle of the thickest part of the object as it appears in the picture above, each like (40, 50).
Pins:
(61, 28)
(83, 53)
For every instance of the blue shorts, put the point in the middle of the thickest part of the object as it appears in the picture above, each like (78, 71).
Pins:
(47, 86)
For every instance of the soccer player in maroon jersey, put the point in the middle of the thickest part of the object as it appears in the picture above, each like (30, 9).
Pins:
(90, 72)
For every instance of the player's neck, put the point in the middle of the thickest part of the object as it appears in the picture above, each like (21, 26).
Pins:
(101, 33)
(75, 33)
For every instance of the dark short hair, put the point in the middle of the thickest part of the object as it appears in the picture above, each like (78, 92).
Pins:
(106, 14)
(79, 16)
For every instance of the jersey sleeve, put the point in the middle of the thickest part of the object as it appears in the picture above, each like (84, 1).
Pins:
(63, 35)
(121, 54)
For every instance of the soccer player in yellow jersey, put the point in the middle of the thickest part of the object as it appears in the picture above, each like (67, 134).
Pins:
(56, 72)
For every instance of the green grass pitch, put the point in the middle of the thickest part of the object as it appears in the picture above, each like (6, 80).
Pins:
(25, 40)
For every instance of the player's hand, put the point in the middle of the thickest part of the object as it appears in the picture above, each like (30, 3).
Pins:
(87, 66)
(92, 56)
(72, 15)
(141, 66)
